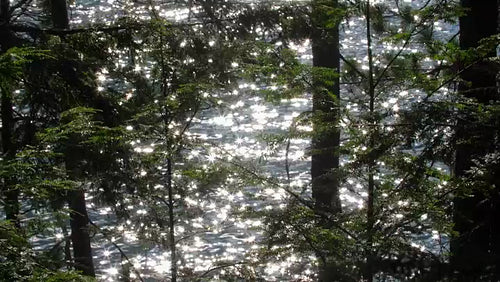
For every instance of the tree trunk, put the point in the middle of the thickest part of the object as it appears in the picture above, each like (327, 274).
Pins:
(9, 151)
(325, 143)
(475, 252)
(8, 146)
(369, 270)
(79, 221)
(326, 139)
(171, 223)
(80, 238)
(59, 14)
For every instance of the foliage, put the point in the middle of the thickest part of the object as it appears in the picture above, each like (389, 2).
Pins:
(18, 262)
(394, 189)
(124, 104)
(13, 61)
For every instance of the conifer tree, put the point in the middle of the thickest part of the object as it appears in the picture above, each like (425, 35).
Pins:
(326, 112)
(326, 61)
(36, 178)
(74, 156)
(7, 41)
(476, 251)
(379, 205)
(190, 74)
(388, 192)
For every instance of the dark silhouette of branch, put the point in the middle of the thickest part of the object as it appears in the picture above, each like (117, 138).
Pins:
(124, 255)
(220, 267)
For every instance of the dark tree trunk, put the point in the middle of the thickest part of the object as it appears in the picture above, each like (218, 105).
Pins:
(4, 14)
(7, 114)
(475, 252)
(325, 143)
(74, 157)
(80, 237)
(67, 248)
(59, 14)
(79, 221)
(326, 139)
(8, 150)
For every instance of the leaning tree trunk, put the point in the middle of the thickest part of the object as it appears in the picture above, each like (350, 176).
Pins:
(7, 115)
(475, 252)
(79, 221)
(326, 139)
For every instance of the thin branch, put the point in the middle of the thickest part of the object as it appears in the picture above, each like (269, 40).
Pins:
(55, 31)
(19, 4)
(451, 79)
(306, 203)
(104, 233)
(393, 60)
(220, 267)
(352, 66)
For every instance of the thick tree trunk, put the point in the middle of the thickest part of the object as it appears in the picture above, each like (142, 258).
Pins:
(4, 14)
(8, 150)
(325, 143)
(475, 252)
(59, 14)
(80, 238)
(7, 114)
(79, 221)
(326, 139)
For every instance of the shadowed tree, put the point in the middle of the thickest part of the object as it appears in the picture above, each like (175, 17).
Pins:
(475, 252)
(326, 60)
(7, 41)
(74, 156)
(325, 20)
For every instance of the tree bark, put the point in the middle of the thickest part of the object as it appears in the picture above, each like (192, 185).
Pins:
(7, 114)
(79, 221)
(80, 239)
(475, 252)
(59, 14)
(326, 139)
(325, 143)
(11, 193)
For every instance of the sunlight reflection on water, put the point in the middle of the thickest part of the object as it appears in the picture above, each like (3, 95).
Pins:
(227, 135)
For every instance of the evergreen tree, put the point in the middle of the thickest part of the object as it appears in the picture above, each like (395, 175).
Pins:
(326, 16)
(110, 115)
(36, 178)
(47, 96)
(74, 156)
(193, 70)
(7, 41)
(325, 145)
(389, 191)
(475, 252)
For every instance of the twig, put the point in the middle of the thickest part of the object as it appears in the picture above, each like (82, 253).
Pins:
(124, 255)
(220, 267)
